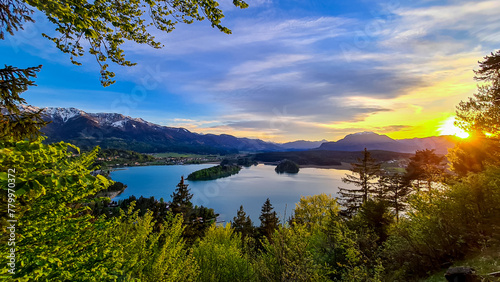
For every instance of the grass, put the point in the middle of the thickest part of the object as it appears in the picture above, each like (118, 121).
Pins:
(487, 261)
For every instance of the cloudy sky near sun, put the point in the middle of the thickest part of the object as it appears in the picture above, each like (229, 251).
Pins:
(292, 69)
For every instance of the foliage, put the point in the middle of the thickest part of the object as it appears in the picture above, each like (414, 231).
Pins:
(394, 191)
(290, 256)
(363, 175)
(196, 219)
(214, 172)
(53, 221)
(181, 199)
(269, 220)
(314, 210)
(481, 113)
(287, 166)
(16, 125)
(243, 224)
(105, 25)
(425, 166)
(220, 257)
(458, 220)
(373, 216)
(12, 15)
(473, 155)
(131, 250)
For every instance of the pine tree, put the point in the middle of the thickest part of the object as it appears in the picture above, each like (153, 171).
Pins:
(181, 199)
(15, 124)
(242, 223)
(425, 166)
(395, 191)
(363, 175)
(481, 113)
(269, 220)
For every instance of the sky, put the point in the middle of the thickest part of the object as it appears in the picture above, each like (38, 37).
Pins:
(290, 70)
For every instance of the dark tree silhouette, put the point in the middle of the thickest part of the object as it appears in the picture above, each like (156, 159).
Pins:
(425, 166)
(15, 124)
(394, 191)
(364, 174)
(481, 113)
(243, 224)
(181, 199)
(269, 220)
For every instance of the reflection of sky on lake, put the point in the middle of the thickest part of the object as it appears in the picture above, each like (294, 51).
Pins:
(249, 188)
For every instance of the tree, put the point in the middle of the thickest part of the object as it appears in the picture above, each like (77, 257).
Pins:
(181, 199)
(220, 256)
(480, 116)
(473, 155)
(243, 224)
(291, 255)
(375, 216)
(50, 189)
(481, 113)
(16, 125)
(363, 175)
(105, 25)
(269, 220)
(395, 191)
(314, 210)
(426, 166)
(287, 166)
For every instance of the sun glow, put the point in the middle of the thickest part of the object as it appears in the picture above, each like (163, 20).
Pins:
(448, 128)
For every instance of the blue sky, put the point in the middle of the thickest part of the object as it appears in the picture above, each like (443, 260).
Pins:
(291, 69)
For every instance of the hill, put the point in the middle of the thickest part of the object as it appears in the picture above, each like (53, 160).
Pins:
(373, 141)
(111, 130)
(327, 158)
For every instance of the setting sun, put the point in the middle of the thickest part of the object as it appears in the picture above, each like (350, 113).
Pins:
(448, 128)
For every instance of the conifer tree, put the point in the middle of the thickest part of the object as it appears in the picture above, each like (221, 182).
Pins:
(269, 220)
(242, 223)
(425, 166)
(364, 174)
(480, 116)
(394, 191)
(15, 124)
(481, 113)
(181, 199)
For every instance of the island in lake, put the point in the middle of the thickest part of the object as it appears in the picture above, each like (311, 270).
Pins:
(287, 166)
(214, 172)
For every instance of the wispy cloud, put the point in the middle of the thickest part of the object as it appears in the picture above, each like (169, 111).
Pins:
(302, 69)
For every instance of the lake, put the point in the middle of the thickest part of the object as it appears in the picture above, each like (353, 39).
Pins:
(250, 188)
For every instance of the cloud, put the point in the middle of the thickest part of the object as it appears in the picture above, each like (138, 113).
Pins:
(321, 73)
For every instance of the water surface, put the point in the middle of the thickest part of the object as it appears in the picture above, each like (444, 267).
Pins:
(250, 188)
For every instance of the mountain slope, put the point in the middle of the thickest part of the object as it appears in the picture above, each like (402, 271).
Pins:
(373, 141)
(301, 145)
(110, 130)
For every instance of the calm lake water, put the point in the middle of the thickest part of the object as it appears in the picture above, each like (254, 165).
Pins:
(250, 188)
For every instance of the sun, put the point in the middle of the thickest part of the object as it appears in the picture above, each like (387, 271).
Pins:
(448, 128)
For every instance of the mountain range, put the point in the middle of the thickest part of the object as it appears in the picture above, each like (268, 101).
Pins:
(373, 141)
(112, 130)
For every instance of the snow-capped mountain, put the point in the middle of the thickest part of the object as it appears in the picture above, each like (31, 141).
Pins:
(112, 130)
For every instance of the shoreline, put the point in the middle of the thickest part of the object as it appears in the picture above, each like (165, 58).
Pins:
(342, 166)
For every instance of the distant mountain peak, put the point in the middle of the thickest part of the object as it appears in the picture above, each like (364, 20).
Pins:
(113, 130)
(365, 133)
